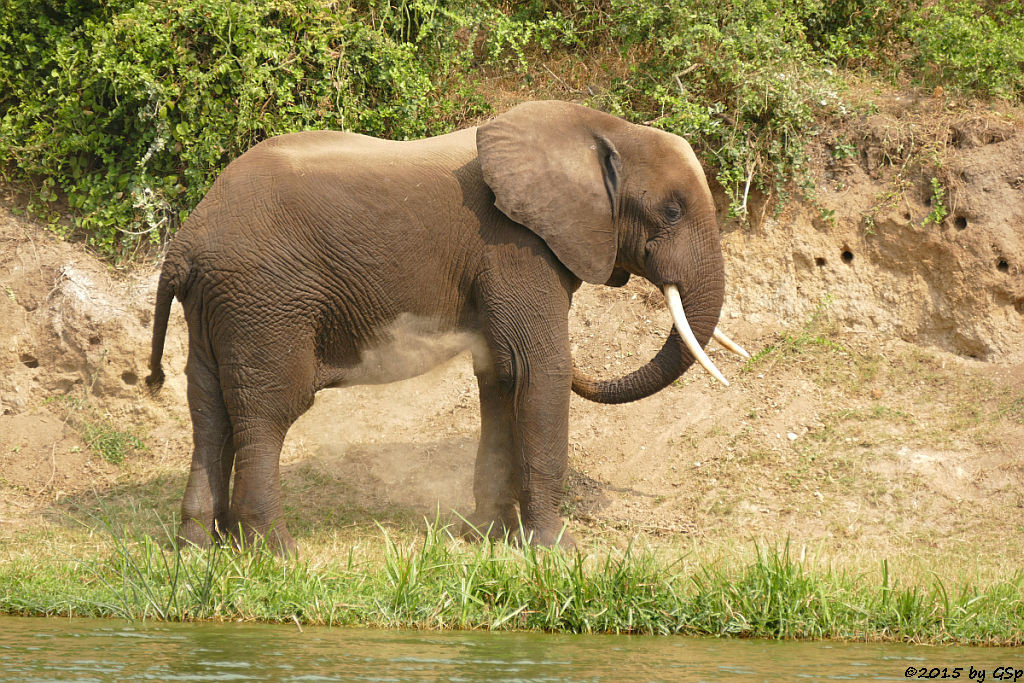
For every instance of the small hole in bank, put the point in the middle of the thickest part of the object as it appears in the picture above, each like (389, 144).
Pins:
(847, 256)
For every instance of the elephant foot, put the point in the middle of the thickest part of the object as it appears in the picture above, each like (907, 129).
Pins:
(551, 535)
(276, 538)
(507, 526)
(500, 525)
(194, 533)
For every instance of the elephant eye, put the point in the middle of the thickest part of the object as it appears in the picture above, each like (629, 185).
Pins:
(672, 212)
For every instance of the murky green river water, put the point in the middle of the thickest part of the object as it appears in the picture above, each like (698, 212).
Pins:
(86, 650)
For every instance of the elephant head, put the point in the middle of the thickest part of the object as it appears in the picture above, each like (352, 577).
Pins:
(612, 198)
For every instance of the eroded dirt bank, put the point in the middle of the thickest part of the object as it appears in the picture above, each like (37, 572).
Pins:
(884, 409)
(918, 232)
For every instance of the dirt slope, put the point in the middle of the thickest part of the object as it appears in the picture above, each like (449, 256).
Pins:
(884, 410)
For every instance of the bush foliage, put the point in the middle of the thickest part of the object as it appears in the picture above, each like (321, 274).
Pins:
(121, 112)
(132, 109)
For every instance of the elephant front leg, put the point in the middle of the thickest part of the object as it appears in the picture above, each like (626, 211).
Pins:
(534, 384)
(495, 476)
(540, 441)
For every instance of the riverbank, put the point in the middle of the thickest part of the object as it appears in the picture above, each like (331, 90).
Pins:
(846, 486)
(432, 580)
(862, 477)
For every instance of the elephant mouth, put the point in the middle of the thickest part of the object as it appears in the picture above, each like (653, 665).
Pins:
(675, 307)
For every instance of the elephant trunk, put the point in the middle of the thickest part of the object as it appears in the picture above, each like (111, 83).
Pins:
(697, 271)
(671, 361)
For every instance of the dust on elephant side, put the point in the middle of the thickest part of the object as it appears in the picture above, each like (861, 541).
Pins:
(319, 258)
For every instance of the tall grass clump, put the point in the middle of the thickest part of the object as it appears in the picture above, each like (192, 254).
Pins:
(438, 582)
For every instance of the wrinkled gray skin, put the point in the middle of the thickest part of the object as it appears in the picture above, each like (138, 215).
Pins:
(312, 249)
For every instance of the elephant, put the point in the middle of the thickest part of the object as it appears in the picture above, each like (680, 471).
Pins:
(315, 253)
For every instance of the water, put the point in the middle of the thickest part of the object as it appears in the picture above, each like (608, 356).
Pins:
(90, 650)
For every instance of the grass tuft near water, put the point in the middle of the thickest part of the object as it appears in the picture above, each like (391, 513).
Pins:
(438, 581)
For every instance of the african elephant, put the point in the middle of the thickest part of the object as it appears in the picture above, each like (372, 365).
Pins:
(314, 253)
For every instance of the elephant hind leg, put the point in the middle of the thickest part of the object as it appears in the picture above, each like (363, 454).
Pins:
(204, 507)
(263, 402)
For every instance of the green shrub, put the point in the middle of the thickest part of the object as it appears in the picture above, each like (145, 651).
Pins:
(741, 81)
(127, 109)
(855, 32)
(976, 47)
(131, 114)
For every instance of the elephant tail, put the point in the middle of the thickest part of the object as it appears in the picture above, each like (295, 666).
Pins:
(173, 278)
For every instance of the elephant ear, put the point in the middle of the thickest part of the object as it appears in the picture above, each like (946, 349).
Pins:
(552, 170)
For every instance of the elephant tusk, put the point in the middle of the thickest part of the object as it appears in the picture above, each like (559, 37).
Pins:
(730, 344)
(675, 307)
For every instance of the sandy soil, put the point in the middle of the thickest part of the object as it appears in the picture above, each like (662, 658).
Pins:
(884, 410)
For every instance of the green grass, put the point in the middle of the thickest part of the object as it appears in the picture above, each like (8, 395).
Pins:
(99, 431)
(435, 581)
(107, 441)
